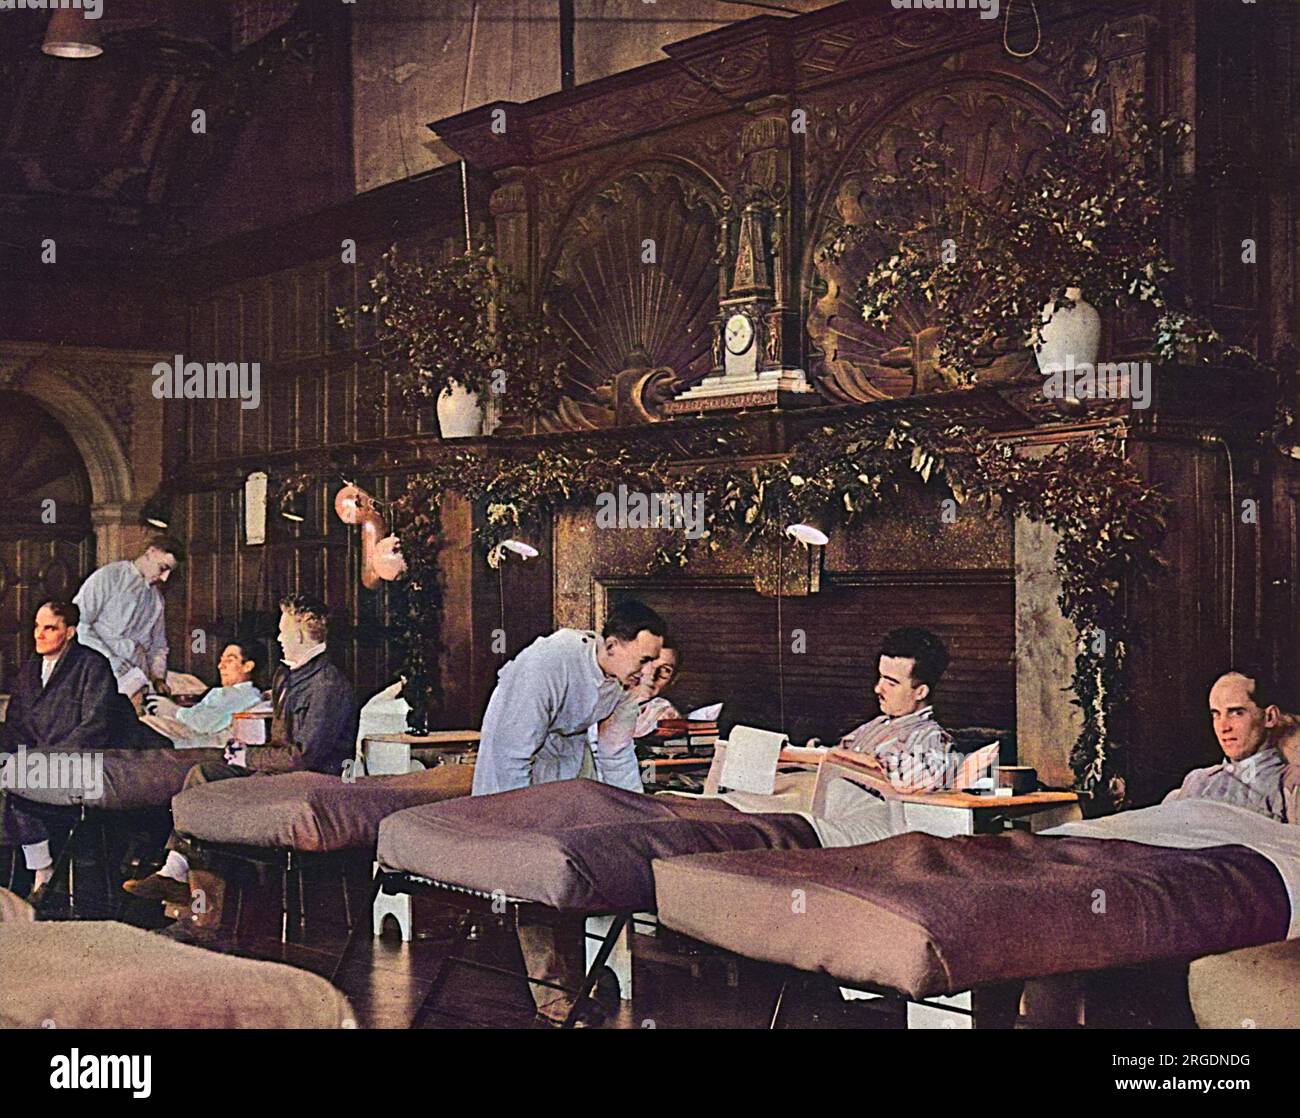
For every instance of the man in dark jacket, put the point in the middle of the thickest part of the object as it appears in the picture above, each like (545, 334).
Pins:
(314, 728)
(65, 700)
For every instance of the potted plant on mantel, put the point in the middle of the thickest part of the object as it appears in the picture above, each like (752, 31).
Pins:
(455, 332)
(1028, 265)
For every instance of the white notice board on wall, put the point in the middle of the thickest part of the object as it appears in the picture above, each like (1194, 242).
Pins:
(255, 508)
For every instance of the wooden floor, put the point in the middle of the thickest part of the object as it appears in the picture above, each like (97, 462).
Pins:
(387, 980)
(677, 984)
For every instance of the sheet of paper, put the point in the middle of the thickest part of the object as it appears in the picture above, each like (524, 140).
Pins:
(751, 760)
(706, 714)
(182, 683)
(977, 768)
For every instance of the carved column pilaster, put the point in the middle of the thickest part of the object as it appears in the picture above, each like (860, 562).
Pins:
(509, 208)
(768, 178)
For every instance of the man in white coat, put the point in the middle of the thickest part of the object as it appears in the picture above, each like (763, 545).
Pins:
(122, 616)
(535, 727)
(535, 731)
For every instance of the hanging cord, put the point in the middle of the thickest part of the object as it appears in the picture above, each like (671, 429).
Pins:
(780, 629)
(1215, 440)
(464, 203)
(1006, 32)
(1232, 555)
(464, 104)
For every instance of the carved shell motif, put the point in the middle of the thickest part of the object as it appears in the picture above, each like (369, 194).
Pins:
(994, 133)
(634, 286)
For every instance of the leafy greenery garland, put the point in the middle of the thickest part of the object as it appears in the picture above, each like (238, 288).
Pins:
(460, 320)
(1108, 521)
(1089, 212)
(417, 614)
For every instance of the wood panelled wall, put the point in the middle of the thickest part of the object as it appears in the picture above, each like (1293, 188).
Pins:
(323, 410)
(812, 672)
(40, 557)
(863, 73)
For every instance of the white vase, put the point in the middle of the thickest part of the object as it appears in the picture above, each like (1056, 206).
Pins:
(459, 413)
(1071, 335)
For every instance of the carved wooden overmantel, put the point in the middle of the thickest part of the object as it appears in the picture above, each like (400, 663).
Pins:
(689, 142)
(791, 116)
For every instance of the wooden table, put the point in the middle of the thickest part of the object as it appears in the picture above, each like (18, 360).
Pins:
(688, 761)
(388, 754)
(946, 814)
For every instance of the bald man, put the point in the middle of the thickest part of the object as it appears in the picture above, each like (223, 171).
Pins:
(1253, 771)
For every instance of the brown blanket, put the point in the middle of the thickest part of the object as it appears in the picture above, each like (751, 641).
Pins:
(133, 779)
(310, 812)
(575, 845)
(102, 975)
(929, 916)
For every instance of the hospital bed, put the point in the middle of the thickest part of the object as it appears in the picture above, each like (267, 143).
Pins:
(575, 849)
(560, 853)
(931, 919)
(290, 821)
(138, 785)
(89, 974)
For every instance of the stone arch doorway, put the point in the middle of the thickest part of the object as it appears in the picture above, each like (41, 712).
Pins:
(47, 537)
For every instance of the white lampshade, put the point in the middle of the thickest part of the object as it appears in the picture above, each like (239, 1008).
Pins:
(807, 534)
(71, 35)
(526, 551)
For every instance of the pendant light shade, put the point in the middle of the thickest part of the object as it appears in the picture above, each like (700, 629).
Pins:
(71, 35)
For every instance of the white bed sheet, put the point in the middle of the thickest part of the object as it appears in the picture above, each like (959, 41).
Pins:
(853, 818)
(1195, 824)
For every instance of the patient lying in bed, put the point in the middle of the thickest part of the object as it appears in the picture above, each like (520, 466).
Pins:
(209, 722)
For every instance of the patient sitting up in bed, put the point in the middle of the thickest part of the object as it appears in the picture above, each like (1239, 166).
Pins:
(314, 729)
(906, 740)
(214, 714)
(613, 740)
(905, 743)
(1253, 772)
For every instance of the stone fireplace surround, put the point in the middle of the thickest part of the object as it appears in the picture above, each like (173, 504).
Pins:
(988, 587)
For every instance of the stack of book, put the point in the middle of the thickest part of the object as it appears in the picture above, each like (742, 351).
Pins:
(675, 737)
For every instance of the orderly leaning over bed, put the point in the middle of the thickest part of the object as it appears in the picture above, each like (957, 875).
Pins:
(123, 616)
(1253, 771)
(314, 727)
(535, 727)
(65, 699)
(535, 731)
(613, 740)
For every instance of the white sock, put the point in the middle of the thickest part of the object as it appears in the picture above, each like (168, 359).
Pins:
(176, 867)
(37, 856)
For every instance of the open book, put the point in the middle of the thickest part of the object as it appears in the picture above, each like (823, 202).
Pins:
(898, 781)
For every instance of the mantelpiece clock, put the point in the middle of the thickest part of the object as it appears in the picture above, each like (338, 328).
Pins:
(738, 334)
(747, 351)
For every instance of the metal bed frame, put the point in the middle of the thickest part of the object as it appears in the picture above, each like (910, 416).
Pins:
(475, 903)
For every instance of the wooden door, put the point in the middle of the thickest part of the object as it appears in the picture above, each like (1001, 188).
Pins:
(46, 542)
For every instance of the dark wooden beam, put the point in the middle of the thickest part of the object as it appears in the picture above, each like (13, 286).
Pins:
(566, 44)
